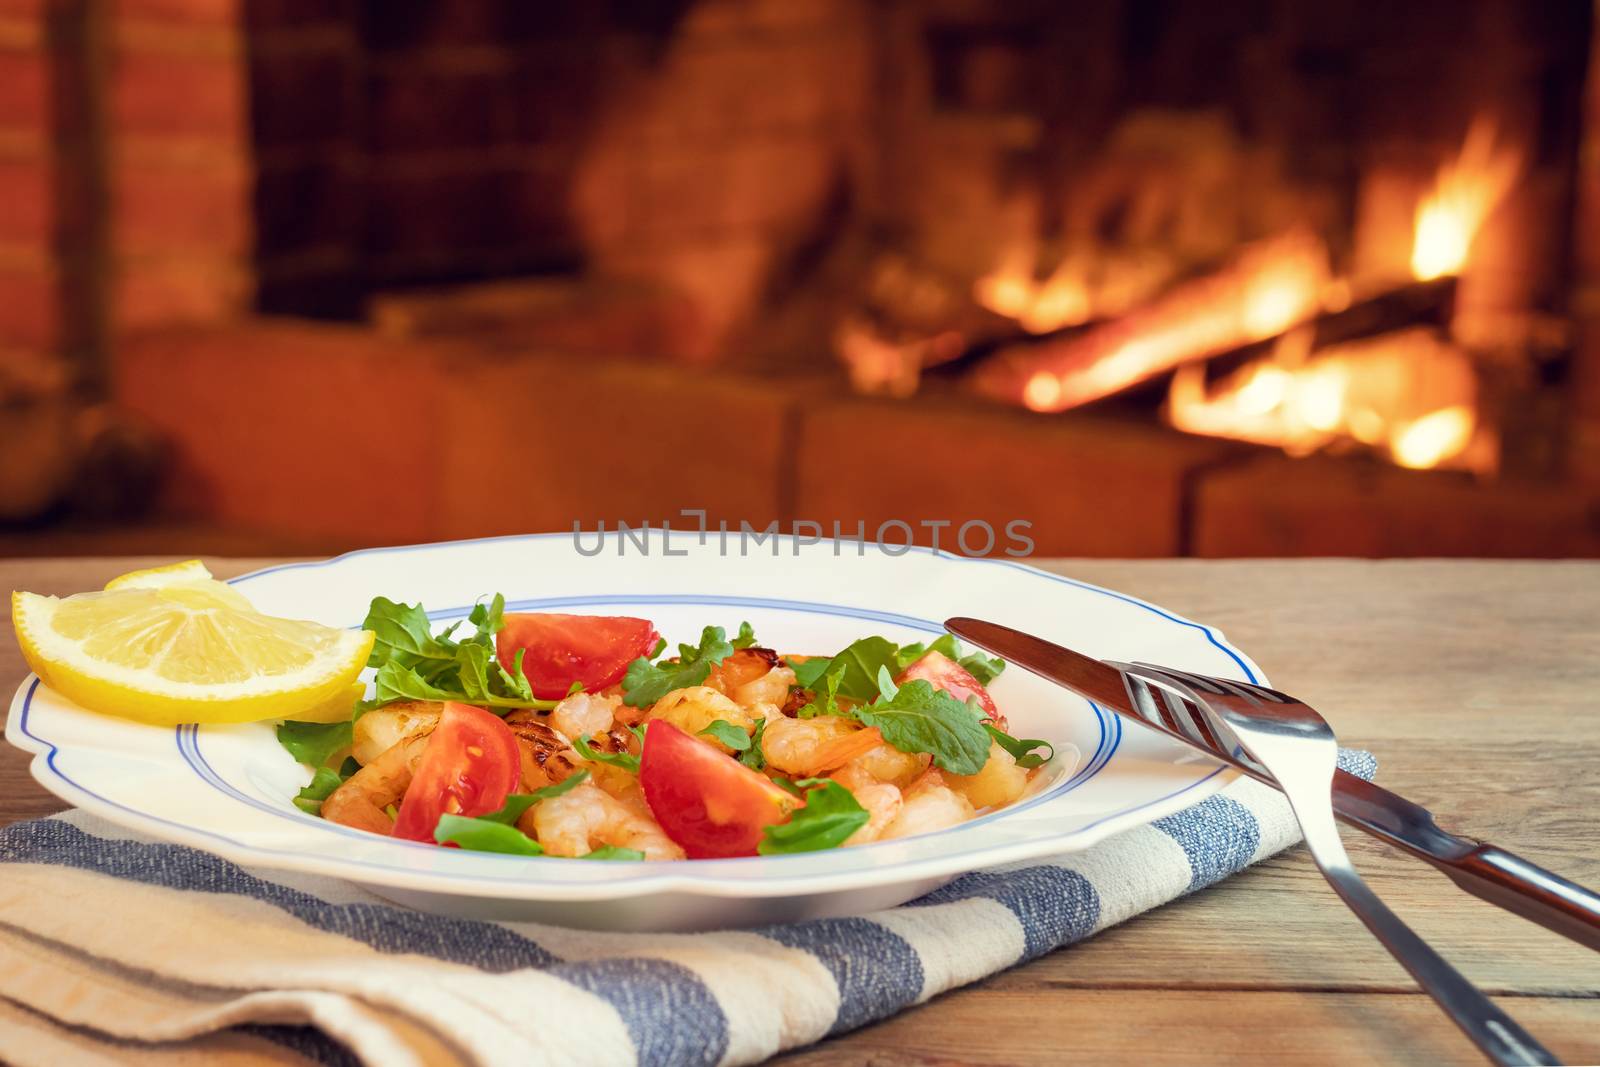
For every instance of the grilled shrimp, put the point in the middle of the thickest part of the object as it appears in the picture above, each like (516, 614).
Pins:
(999, 783)
(697, 707)
(577, 822)
(381, 729)
(547, 756)
(583, 714)
(928, 804)
(796, 746)
(360, 801)
(744, 666)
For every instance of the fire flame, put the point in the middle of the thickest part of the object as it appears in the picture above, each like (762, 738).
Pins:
(1013, 290)
(1465, 193)
(1410, 394)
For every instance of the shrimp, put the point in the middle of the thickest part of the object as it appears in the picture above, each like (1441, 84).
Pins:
(998, 783)
(583, 714)
(740, 669)
(881, 799)
(577, 822)
(796, 746)
(381, 729)
(360, 801)
(929, 804)
(547, 756)
(694, 708)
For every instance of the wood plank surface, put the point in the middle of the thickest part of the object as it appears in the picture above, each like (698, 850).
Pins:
(1477, 684)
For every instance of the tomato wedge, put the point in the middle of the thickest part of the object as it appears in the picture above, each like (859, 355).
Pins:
(709, 803)
(470, 766)
(561, 649)
(942, 672)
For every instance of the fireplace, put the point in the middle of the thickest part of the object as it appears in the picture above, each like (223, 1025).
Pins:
(1155, 277)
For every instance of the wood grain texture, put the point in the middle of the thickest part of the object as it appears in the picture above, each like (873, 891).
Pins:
(1475, 684)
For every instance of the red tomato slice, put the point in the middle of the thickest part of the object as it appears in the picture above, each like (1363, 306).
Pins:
(942, 672)
(562, 649)
(470, 766)
(709, 803)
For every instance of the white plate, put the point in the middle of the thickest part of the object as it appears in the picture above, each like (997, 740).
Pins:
(227, 789)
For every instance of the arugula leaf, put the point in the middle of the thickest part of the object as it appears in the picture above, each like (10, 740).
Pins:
(483, 835)
(753, 757)
(626, 760)
(323, 783)
(646, 682)
(831, 814)
(824, 695)
(786, 785)
(746, 638)
(612, 852)
(729, 734)
(808, 671)
(517, 803)
(916, 717)
(314, 743)
(403, 634)
(984, 668)
(496, 831)
(1022, 749)
(415, 664)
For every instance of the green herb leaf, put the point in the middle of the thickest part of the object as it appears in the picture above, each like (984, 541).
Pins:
(787, 786)
(484, 835)
(729, 734)
(824, 695)
(753, 757)
(323, 783)
(808, 671)
(517, 803)
(831, 814)
(488, 619)
(646, 682)
(612, 852)
(1022, 749)
(746, 638)
(314, 743)
(916, 717)
(626, 760)
(403, 634)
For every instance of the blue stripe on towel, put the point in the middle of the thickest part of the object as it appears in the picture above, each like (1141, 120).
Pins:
(877, 970)
(387, 929)
(1219, 835)
(1054, 905)
(671, 1015)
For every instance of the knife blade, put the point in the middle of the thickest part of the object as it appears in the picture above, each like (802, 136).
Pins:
(1484, 870)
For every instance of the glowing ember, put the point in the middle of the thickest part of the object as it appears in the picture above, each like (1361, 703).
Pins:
(1271, 286)
(1409, 392)
(1013, 290)
(1433, 438)
(1466, 192)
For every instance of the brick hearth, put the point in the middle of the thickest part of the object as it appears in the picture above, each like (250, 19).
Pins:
(392, 441)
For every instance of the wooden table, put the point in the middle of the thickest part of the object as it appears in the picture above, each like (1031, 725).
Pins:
(1477, 685)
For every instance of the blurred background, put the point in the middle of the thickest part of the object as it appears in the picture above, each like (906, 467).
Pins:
(1159, 278)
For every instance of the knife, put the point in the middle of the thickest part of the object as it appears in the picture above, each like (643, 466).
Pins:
(1490, 873)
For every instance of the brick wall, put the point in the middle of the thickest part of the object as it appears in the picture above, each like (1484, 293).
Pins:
(30, 316)
(687, 145)
(178, 163)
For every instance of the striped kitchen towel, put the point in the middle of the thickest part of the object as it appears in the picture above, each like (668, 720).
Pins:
(115, 949)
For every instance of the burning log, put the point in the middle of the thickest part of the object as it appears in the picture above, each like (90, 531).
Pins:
(1429, 303)
(1268, 288)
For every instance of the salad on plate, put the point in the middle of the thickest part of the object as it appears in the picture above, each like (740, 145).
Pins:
(584, 736)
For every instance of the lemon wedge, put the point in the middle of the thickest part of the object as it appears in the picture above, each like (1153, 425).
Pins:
(172, 644)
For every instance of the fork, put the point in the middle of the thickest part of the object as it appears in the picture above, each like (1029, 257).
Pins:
(1295, 746)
